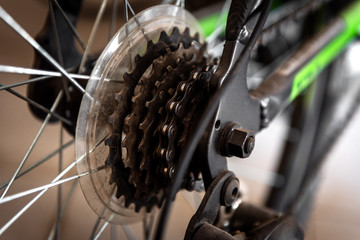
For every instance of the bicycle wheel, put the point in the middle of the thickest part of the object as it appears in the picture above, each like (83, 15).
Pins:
(44, 161)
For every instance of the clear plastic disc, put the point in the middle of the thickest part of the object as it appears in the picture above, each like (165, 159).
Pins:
(99, 103)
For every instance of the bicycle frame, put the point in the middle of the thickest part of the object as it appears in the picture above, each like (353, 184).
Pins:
(259, 107)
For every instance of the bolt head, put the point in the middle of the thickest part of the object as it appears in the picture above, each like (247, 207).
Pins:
(240, 143)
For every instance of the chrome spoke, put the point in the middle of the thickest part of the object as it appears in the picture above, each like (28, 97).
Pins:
(113, 18)
(129, 8)
(50, 185)
(17, 28)
(219, 26)
(102, 229)
(114, 232)
(44, 187)
(180, 3)
(92, 34)
(96, 226)
(64, 207)
(126, 11)
(32, 71)
(37, 197)
(43, 160)
(35, 104)
(37, 79)
(72, 27)
(148, 223)
(46, 121)
(68, 198)
(128, 232)
(95, 235)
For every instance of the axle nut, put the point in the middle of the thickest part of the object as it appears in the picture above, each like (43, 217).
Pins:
(237, 141)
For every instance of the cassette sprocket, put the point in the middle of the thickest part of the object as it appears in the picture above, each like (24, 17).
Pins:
(128, 136)
(144, 130)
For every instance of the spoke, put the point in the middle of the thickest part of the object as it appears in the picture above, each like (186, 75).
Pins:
(96, 226)
(54, 106)
(31, 71)
(17, 28)
(102, 229)
(29, 204)
(68, 198)
(35, 165)
(35, 104)
(59, 198)
(113, 18)
(126, 11)
(114, 232)
(52, 184)
(37, 197)
(98, 221)
(128, 6)
(45, 187)
(72, 27)
(128, 232)
(180, 3)
(131, 10)
(92, 34)
(58, 48)
(148, 223)
(64, 207)
(220, 25)
(37, 79)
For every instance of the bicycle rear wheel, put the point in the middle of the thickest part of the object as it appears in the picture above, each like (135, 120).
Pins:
(45, 159)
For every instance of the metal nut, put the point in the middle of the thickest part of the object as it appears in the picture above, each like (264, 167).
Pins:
(239, 142)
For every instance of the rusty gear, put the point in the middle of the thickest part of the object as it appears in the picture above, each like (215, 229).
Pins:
(145, 127)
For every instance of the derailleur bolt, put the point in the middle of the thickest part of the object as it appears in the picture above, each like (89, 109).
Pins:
(237, 141)
(230, 192)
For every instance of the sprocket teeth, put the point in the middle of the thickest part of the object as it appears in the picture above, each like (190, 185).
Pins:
(127, 121)
(113, 140)
(196, 37)
(110, 158)
(168, 51)
(132, 178)
(169, 68)
(136, 170)
(137, 59)
(163, 35)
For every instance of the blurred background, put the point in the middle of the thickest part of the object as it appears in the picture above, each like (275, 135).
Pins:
(336, 213)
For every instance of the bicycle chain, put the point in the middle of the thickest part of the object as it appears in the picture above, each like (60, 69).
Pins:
(139, 174)
(182, 111)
